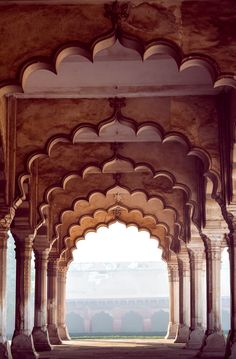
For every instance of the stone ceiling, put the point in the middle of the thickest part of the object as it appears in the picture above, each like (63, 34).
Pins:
(85, 144)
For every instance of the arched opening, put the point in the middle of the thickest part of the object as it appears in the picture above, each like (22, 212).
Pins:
(132, 322)
(101, 323)
(117, 269)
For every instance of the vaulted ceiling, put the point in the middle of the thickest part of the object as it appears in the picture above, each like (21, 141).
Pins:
(92, 134)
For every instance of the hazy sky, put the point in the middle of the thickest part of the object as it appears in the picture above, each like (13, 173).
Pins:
(119, 244)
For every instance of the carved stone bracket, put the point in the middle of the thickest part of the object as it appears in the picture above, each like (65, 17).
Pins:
(6, 219)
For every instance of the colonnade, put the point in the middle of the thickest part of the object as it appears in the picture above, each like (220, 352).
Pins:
(194, 282)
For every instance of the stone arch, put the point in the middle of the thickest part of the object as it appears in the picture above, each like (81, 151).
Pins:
(75, 323)
(159, 321)
(132, 322)
(102, 322)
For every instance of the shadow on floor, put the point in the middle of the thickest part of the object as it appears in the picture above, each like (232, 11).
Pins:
(119, 349)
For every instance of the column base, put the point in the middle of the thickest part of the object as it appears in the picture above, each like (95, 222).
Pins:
(231, 345)
(5, 350)
(182, 334)
(196, 339)
(172, 331)
(54, 335)
(63, 332)
(23, 347)
(214, 346)
(41, 340)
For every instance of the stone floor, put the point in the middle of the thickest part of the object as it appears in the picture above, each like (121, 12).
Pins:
(119, 349)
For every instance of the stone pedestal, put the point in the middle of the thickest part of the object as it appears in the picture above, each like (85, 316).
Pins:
(172, 330)
(61, 302)
(182, 334)
(197, 265)
(214, 345)
(52, 302)
(173, 275)
(22, 342)
(40, 332)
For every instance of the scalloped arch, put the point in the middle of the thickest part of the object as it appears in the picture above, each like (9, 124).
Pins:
(94, 228)
(129, 210)
(169, 136)
(101, 42)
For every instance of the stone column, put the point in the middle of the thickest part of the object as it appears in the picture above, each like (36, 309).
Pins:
(4, 345)
(173, 275)
(197, 259)
(40, 332)
(61, 303)
(214, 345)
(22, 342)
(184, 310)
(231, 340)
(52, 302)
(6, 217)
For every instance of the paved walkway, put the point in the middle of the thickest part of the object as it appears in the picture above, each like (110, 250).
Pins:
(119, 349)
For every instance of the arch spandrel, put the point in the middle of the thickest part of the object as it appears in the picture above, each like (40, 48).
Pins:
(137, 31)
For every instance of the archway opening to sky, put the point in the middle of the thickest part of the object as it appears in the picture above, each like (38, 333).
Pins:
(117, 270)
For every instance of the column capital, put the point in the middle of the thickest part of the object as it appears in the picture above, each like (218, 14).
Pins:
(173, 271)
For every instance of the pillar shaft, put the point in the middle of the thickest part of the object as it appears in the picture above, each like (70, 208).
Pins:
(40, 332)
(197, 265)
(22, 343)
(3, 299)
(61, 303)
(213, 288)
(231, 347)
(184, 300)
(173, 275)
(214, 342)
(52, 302)
(4, 345)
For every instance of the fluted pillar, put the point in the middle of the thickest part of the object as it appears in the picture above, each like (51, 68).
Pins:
(197, 259)
(173, 275)
(184, 310)
(40, 332)
(22, 342)
(61, 303)
(214, 345)
(52, 302)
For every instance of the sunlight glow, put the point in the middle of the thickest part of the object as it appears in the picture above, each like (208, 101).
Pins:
(117, 243)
